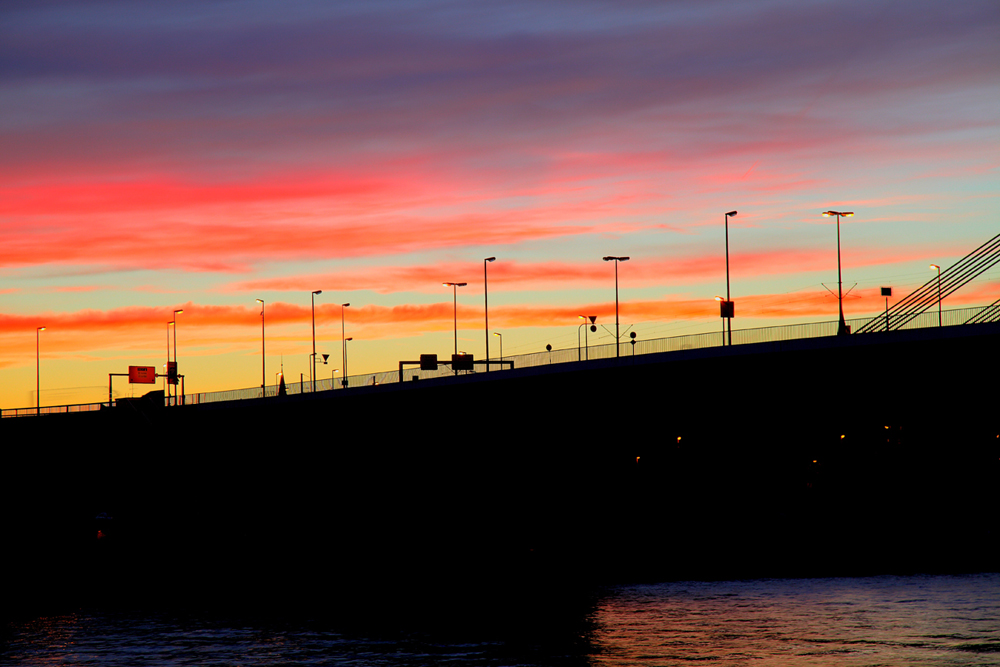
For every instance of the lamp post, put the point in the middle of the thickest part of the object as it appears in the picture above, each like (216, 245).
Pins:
(935, 266)
(497, 333)
(729, 319)
(343, 379)
(312, 366)
(722, 301)
(167, 368)
(617, 335)
(38, 366)
(486, 309)
(176, 369)
(586, 342)
(263, 370)
(176, 313)
(454, 290)
(842, 327)
(343, 344)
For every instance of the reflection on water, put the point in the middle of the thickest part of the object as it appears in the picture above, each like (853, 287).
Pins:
(939, 620)
(885, 620)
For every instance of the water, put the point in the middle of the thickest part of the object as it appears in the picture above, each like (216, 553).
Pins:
(873, 621)
(920, 620)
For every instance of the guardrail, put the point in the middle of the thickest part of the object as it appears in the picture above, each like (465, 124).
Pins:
(605, 351)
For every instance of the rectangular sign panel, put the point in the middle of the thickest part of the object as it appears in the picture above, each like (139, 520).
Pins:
(462, 362)
(142, 374)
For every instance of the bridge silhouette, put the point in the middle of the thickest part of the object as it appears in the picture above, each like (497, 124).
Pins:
(914, 311)
(628, 351)
(791, 456)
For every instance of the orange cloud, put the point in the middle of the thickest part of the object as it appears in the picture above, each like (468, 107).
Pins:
(229, 328)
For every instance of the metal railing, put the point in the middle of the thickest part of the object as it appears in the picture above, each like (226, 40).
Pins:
(52, 410)
(990, 313)
(605, 351)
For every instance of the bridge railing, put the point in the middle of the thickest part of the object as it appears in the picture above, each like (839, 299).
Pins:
(51, 410)
(604, 351)
(607, 351)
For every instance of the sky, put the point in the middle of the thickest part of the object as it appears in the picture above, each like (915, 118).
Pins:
(202, 155)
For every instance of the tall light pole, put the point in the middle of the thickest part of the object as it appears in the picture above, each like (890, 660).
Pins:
(344, 377)
(723, 302)
(486, 309)
(312, 365)
(167, 379)
(617, 334)
(176, 313)
(263, 370)
(176, 369)
(586, 341)
(935, 266)
(497, 333)
(842, 327)
(731, 214)
(343, 344)
(38, 366)
(454, 291)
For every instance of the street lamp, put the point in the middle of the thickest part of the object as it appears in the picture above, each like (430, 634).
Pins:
(176, 369)
(486, 309)
(842, 327)
(617, 335)
(592, 318)
(176, 313)
(167, 368)
(38, 382)
(312, 366)
(454, 290)
(935, 266)
(344, 377)
(722, 303)
(728, 308)
(497, 333)
(263, 372)
(343, 344)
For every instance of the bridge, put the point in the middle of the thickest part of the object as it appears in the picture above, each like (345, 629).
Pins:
(912, 312)
(903, 319)
(793, 452)
(793, 456)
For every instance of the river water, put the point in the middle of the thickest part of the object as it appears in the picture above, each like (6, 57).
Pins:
(912, 620)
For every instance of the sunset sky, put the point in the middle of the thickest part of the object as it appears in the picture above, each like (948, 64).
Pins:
(201, 155)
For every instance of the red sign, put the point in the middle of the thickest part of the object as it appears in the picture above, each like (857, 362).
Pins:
(142, 374)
